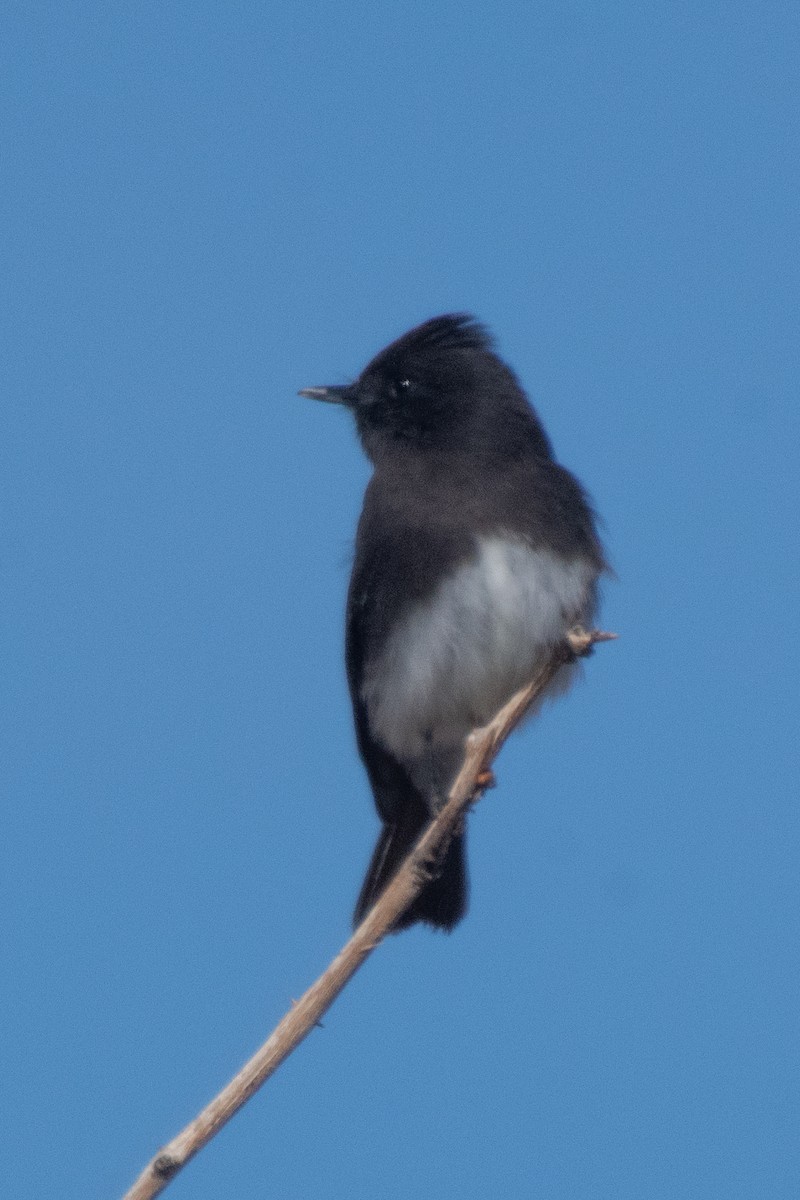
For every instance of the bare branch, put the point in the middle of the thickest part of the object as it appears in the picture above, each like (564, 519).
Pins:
(474, 776)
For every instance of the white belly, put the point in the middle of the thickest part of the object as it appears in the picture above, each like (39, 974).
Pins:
(455, 659)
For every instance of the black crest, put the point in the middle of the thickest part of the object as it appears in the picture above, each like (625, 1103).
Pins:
(453, 331)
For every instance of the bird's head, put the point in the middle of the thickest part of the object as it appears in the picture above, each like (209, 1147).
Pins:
(439, 386)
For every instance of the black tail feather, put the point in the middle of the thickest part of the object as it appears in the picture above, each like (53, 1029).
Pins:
(441, 903)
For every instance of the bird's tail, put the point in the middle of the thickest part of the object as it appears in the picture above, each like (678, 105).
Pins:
(442, 902)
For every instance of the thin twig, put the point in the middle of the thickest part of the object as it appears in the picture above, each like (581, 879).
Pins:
(482, 748)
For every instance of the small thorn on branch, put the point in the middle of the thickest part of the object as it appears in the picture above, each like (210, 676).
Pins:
(580, 644)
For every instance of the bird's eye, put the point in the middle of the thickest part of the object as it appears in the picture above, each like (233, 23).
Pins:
(397, 387)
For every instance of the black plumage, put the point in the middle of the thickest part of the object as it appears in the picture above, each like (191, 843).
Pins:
(475, 552)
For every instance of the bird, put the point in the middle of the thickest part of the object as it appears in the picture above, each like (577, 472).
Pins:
(475, 553)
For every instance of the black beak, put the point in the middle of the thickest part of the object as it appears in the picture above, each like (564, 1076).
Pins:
(333, 395)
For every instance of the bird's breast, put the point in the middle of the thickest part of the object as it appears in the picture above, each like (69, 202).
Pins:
(449, 664)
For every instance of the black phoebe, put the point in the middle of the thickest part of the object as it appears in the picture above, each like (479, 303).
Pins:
(475, 553)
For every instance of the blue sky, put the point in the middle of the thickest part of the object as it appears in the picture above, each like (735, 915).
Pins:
(207, 206)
